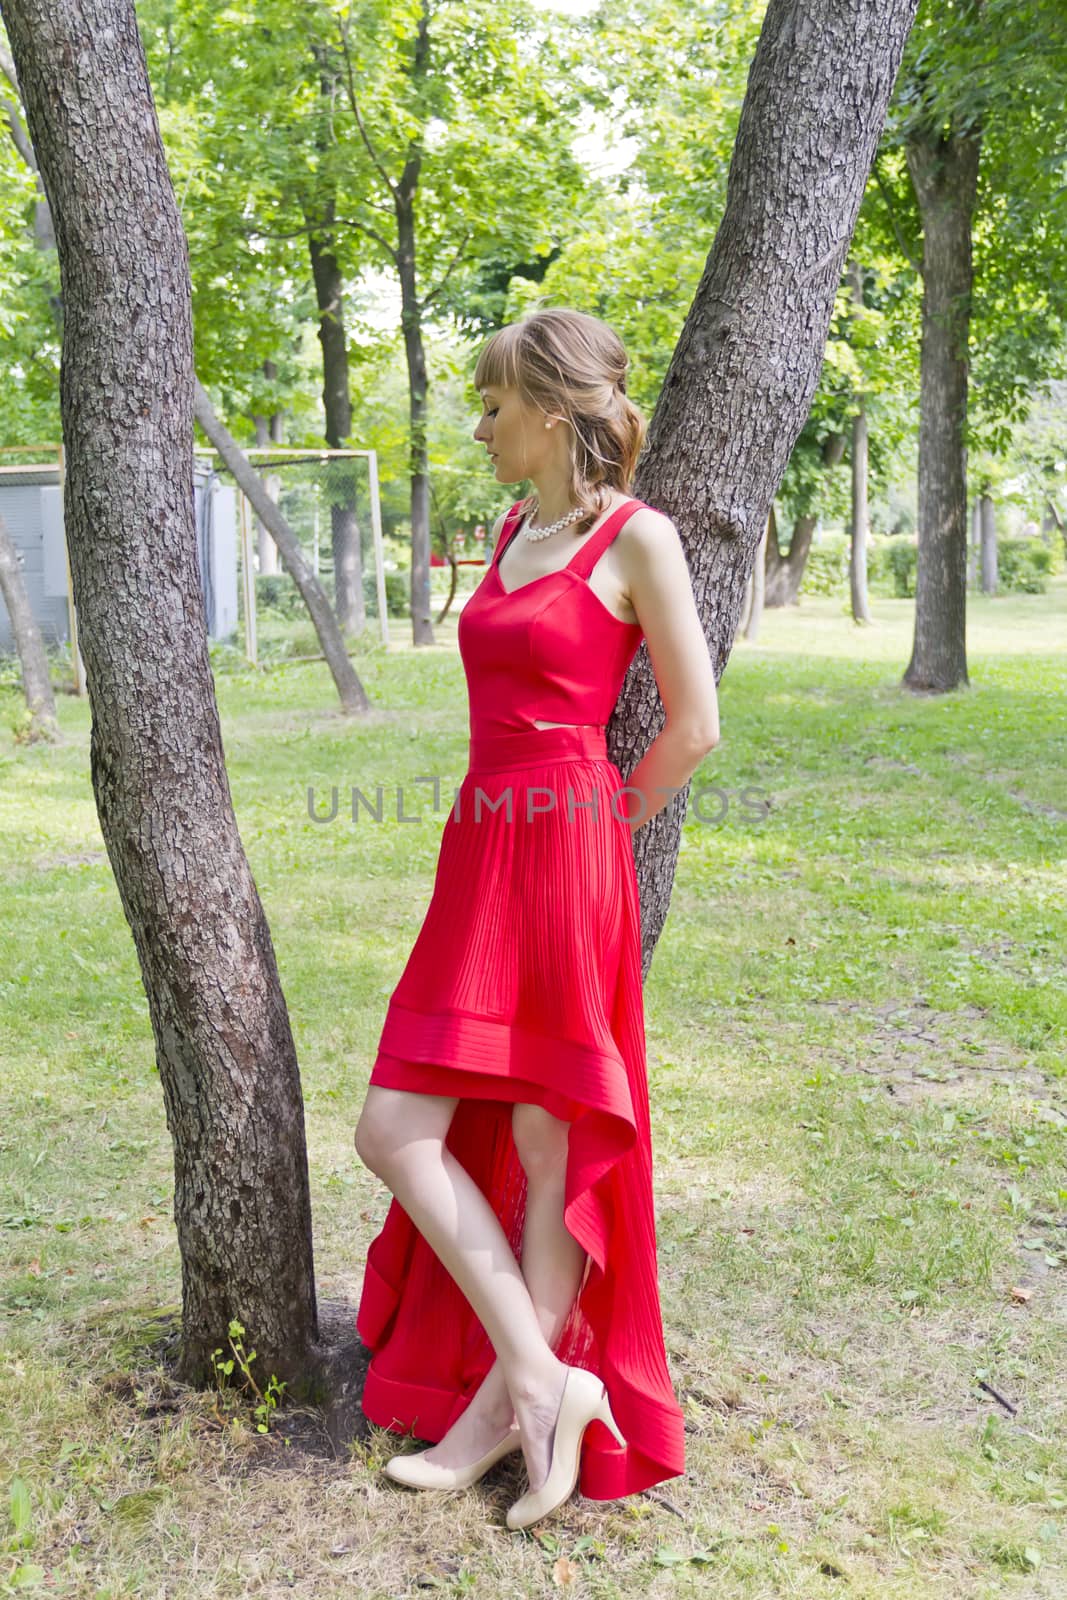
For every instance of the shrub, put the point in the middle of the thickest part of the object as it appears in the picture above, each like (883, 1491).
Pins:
(276, 591)
(1023, 565)
(826, 569)
(891, 567)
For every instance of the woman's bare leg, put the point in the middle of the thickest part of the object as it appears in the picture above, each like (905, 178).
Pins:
(553, 1263)
(401, 1137)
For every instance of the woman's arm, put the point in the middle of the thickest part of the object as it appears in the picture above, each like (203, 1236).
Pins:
(661, 593)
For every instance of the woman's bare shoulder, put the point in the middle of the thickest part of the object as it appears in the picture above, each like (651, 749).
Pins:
(647, 530)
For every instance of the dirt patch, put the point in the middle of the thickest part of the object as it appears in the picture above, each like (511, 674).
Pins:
(921, 1054)
(86, 858)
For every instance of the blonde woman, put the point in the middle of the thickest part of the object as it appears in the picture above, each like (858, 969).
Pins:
(511, 1299)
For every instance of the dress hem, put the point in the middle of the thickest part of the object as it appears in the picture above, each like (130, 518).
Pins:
(418, 1052)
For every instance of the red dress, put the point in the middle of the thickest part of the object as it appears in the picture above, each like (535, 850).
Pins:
(524, 984)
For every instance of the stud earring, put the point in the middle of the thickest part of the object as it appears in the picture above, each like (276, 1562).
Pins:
(548, 424)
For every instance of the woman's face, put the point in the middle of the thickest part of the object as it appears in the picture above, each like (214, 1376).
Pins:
(515, 437)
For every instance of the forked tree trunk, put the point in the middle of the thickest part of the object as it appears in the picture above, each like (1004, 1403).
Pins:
(783, 574)
(224, 1048)
(29, 646)
(742, 378)
(944, 172)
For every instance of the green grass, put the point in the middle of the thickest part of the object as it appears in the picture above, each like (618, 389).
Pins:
(856, 1020)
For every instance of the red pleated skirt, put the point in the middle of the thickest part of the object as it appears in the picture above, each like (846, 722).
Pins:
(524, 984)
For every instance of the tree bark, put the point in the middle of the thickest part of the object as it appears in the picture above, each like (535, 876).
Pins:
(741, 381)
(944, 173)
(988, 526)
(353, 695)
(29, 646)
(224, 1049)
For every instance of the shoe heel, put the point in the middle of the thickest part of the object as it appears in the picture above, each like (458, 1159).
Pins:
(605, 1415)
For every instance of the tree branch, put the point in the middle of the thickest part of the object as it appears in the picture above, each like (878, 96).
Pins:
(448, 273)
(354, 103)
(21, 138)
(893, 220)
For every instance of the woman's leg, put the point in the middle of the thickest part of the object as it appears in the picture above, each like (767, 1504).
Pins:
(552, 1264)
(401, 1137)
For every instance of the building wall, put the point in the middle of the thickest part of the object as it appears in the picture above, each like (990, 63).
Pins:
(33, 514)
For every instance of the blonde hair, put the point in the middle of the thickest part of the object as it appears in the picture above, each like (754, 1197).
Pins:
(571, 365)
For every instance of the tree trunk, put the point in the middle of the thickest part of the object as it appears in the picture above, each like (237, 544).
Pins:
(944, 172)
(988, 526)
(785, 573)
(976, 542)
(353, 695)
(224, 1049)
(1052, 519)
(860, 530)
(411, 322)
(742, 378)
(29, 646)
(348, 602)
(269, 431)
(421, 619)
(752, 615)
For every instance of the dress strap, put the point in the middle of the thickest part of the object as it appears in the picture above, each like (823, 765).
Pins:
(596, 543)
(511, 522)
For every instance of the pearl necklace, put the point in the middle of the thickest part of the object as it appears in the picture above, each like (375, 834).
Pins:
(554, 527)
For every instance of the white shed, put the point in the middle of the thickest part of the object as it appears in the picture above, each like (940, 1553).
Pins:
(31, 504)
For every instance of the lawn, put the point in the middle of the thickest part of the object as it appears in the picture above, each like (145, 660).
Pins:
(857, 1037)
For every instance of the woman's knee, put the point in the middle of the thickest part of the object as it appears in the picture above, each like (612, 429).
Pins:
(392, 1119)
(541, 1141)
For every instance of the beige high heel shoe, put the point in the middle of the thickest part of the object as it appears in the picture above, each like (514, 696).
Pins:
(418, 1473)
(584, 1397)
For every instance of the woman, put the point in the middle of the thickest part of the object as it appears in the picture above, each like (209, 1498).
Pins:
(508, 1105)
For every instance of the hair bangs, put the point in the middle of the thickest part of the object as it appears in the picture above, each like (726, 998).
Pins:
(498, 362)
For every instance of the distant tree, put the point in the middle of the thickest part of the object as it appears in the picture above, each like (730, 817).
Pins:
(29, 646)
(742, 378)
(979, 117)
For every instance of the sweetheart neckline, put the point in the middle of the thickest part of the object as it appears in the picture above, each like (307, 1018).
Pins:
(560, 572)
